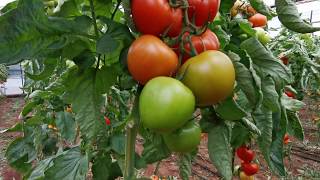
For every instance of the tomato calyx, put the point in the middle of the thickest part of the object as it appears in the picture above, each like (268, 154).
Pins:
(245, 154)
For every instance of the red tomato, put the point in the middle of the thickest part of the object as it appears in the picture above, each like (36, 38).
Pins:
(206, 41)
(149, 57)
(156, 16)
(245, 154)
(258, 20)
(203, 11)
(107, 120)
(289, 94)
(250, 168)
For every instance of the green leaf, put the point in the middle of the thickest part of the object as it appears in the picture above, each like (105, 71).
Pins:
(70, 164)
(294, 125)
(291, 104)
(118, 143)
(20, 153)
(86, 101)
(262, 8)
(106, 44)
(15, 128)
(223, 37)
(67, 8)
(106, 77)
(266, 63)
(246, 27)
(220, 151)
(240, 135)
(27, 33)
(10, 6)
(230, 110)
(271, 97)
(66, 125)
(226, 5)
(28, 108)
(251, 126)
(49, 67)
(289, 16)
(38, 172)
(185, 166)
(154, 149)
(246, 81)
(263, 119)
(101, 167)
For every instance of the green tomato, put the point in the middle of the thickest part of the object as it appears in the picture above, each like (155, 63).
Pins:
(185, 139)
(210, 76)
(262, 35)
(165, 104)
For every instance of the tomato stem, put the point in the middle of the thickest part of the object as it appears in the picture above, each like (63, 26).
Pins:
(131, 134)
(116, 9)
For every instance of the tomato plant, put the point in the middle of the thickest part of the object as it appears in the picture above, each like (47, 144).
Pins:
(113, 58)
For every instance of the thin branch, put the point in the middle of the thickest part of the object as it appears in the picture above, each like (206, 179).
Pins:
(115, 10)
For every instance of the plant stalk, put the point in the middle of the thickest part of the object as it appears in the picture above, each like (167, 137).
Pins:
(131, 134)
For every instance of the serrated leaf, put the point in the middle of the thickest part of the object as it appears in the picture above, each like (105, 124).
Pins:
(220, 151)
(294, 125)
(226, 5)
(230, 110)
(86, 101)
(266, 63)
(66, 125)
(289, 16)
(270, 95)
(101, 167)
(106, 77)
(70, 164)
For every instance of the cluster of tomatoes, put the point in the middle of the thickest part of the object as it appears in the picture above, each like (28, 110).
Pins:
(248, 169)
(176, 80)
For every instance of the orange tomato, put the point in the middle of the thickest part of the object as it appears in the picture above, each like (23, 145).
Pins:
(149, 57)
(258, 20)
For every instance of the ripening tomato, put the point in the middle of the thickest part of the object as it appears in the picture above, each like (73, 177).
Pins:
(185, 139)
(245, 154)
(107, 120)
(258, 20)
(206, 41)
(165, 104)
(243, 176)
(155, 17)
(250, 168)
(149, 57)
(203, 11)
(210, 76)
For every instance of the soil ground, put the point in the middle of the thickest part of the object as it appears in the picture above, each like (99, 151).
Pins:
(303, 161)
